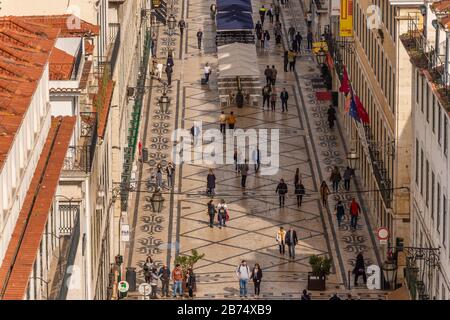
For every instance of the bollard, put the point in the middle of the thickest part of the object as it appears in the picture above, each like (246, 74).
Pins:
(144, 155)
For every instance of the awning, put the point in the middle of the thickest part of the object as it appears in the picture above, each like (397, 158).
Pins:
(234, 21)
(237, 59)
(234, 5)
(401, 293)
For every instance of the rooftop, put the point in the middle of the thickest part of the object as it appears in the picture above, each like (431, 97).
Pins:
(70, 25)
(442, 11)
(25, 48)
(23, 247)
(61, 65)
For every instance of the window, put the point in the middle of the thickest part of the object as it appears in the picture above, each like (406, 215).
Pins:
(445, 134)
(428, 104)
(417, 162)
(421, 172)
(433, 113)
(417, 86)
(427, 186)
(444, 221)
(439, 125)
(438, 211)
(432, 194)
(423, 94)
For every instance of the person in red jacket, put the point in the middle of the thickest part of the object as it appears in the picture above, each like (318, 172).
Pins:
(355, 209)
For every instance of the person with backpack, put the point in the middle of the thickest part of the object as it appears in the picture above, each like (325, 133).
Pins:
(211, 213)
(281, 237)
(340, 212)
(164, 276)
(300, 192)
(355, 209)
(243, 274)
(266, 91)
(256, 276)
(222, 213)
(282, 189)
(210, 183)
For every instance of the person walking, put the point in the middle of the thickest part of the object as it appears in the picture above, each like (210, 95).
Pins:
(273, 75)
(244, 172)
(285, 60)
(309, 39)
(207, 72)
(260, 41)
(236, 160)
(169, 71)
(177, 277)
(268, 75)
(170, 172)
(154, 42)
(266, 37)
(212, 10)
(294, 45)
(210, 183)
(299, 192)
(169, 60)
(282, 189)
(291, 241)
(348, 173)
(195, 132)
(154, 279)
(291, 58)
(222, 213)
(266, 91)
(159, 70)
(190, 282)
(277, 11)
(359, 269)
(164, 276)
(340, 212)
(331, 116)
(355, 209)
(256, 157)
(231, 121)
(284, 97)
(281, 238)
(243, 274)
(159, 179)
(211, 213)
(305, 295)
(273, 99)
(181, 26)
(291, 33)
(222, 122)
(199, 38)
(277, 32)
(298, 39)
(147, 267)
(324, 192)
(258, 27)
(270, 13)
(262, 14)
(335, 178)
(256, 276)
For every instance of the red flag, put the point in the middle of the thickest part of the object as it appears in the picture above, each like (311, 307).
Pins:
(362, 114)
(345, 83)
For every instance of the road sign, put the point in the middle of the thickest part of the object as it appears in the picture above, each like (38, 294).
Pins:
(383, 233)
(123, 286)
(145, 289)
(125, 232)
(383, 241)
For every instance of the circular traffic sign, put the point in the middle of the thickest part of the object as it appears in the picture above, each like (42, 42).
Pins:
(382, 233)
(145, 289)
(123, 286)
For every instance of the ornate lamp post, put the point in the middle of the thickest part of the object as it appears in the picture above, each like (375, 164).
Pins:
(321, 55)
(390, 273)
(164, 103)
(352, 158)
(171, 23)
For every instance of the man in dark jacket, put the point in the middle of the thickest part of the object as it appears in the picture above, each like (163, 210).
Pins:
(298, 39)
(268, 75)
(164, 275)
(199, 38)
(291, 241)
(300, 192)
(331, 116)
(181, 25)
(284, 96)
(169, 72)
(309, 38)
(266, 91)
(282, 189)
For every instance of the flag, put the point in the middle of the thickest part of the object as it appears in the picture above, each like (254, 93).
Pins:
(348, 100)
(345, 83)
(362, 114)
(353, 112)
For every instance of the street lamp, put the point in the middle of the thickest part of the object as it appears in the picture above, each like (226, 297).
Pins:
(390, 273)
(321, 55)
(171, 23)
(352, 157)
(164, 103)
(157, 201)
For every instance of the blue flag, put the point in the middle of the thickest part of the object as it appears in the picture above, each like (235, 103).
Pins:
(354, 109)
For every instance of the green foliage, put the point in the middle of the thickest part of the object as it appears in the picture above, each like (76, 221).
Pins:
(320, 265)
(187, 262)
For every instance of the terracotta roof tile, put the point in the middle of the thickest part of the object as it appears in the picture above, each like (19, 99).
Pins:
(70, 25)
(25, 47)
(42, 188)
(61, 65)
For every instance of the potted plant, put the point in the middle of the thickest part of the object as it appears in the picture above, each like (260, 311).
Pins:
(187, 262)
(320, 269)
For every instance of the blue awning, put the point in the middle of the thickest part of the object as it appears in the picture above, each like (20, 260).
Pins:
(234, 5)
(234, 21)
